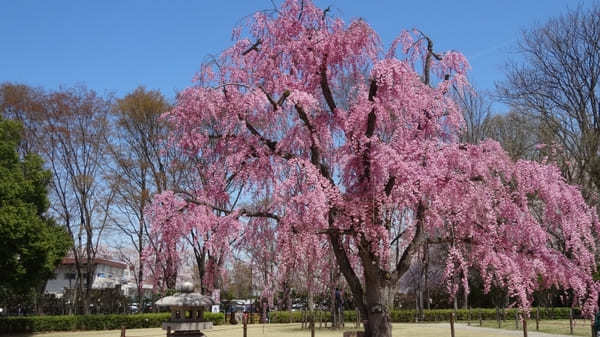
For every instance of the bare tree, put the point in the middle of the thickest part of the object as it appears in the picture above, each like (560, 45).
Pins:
(517, 133)
(72, 135)
(477, 110)
(24, 104)
(556, 83)
(138, 166)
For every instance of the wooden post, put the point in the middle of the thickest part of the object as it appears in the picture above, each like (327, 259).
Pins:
(122, 331)
(469, 316)
(537, 319)
(571, 321)
(312, 325)
(524, 327)
(245, 322)
(320, 319)
(452, 324)
(168, 331)
(480, 318)
(498, 317)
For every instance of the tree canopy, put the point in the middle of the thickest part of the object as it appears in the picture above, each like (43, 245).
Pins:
(32, 245)
(343, 146)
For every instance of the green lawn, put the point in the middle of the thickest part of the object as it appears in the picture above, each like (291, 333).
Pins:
(294, 330)
(580, 327)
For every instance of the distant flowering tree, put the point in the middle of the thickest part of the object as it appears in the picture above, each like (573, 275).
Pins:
(352, 149)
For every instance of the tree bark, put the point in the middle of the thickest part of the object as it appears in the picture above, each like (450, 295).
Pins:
(377, 315)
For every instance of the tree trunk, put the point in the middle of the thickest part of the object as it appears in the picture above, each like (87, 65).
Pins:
(378, 322)
(140, 285)
(373, 308)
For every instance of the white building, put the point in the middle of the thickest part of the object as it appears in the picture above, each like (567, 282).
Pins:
(108, 274)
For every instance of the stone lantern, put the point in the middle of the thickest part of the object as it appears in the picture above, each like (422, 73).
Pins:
(187, 312)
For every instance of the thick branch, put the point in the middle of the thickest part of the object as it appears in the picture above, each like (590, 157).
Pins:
(390, 185)
(315, 153)
(271, 144)
(344, 263)
(404, 263)
(430, 53)
(371, 118)
(252, 47)
(242, 212)
(325, 86)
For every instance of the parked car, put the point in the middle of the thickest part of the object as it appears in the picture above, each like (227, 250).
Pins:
(133, 308)
(298, 306)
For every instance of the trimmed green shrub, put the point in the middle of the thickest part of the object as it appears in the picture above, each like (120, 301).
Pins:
(23, 324)
(90, 322)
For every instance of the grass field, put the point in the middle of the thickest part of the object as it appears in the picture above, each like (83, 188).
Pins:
(399, 330)
(580, 327)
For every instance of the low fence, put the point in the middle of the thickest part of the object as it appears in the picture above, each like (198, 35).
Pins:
(20, 324)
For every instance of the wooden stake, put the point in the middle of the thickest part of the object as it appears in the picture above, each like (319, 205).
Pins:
(524, 327)
(312, 325)
(320, 319)
(571, 321)
(469, 316)
(498, 318)
(537, 319)
(122, 331)
(245, 322)
(452, 324)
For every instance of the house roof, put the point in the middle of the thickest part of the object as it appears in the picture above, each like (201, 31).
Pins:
(96, 261)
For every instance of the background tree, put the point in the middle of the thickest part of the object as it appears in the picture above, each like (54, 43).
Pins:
(555, 83)
(476, 107)
(32, 244)
(141, 166)
(26, 105)
(72, 142)
(67, 128)
(387, 162)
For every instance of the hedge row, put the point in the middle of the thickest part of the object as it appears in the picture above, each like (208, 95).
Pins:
(21, 324)
(110, 322)
(400, 316)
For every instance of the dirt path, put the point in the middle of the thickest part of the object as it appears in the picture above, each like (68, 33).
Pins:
(294, 330)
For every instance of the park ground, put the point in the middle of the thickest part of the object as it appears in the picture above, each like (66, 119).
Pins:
(555, 328)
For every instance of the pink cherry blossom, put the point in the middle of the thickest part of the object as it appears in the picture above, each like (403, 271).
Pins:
(336, 144)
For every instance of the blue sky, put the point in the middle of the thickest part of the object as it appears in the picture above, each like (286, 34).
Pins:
(114, 46)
